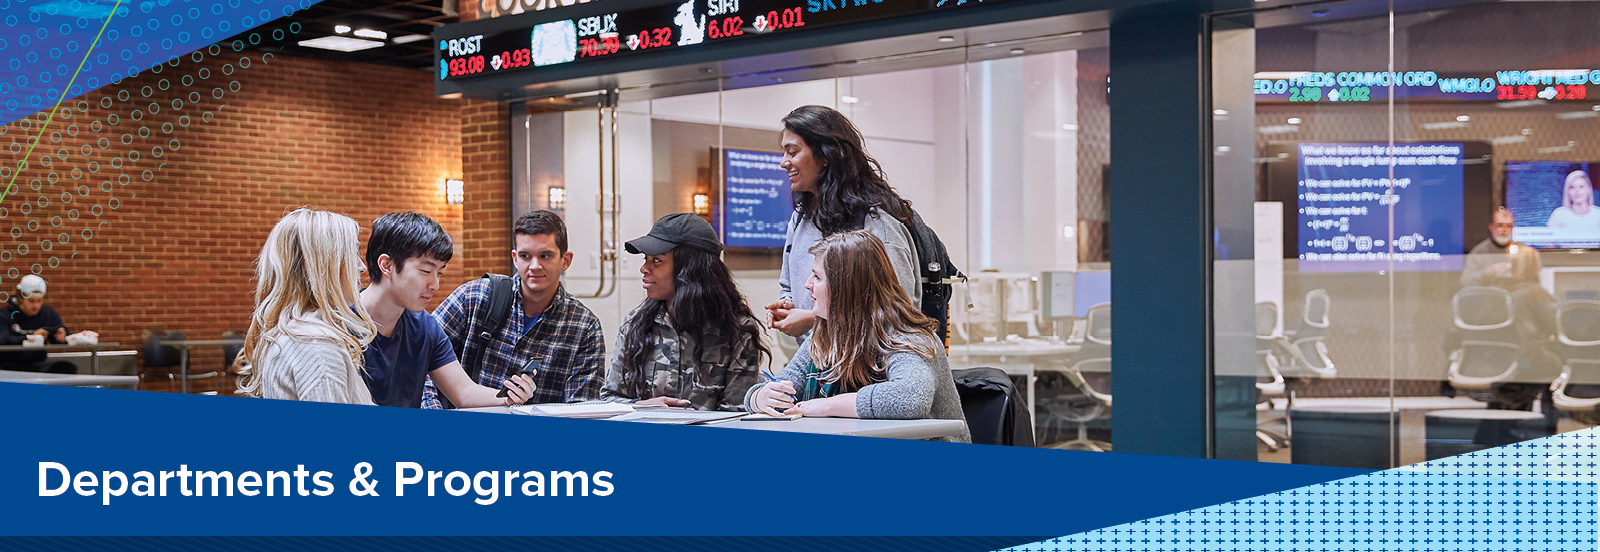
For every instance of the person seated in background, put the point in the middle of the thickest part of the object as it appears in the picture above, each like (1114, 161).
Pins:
(29, 316)
(405, 254)
(546, 324)
(873, 354)
(1500, 262)
(693, 342)
(305, 339)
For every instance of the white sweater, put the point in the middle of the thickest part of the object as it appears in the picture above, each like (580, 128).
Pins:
(310, 366)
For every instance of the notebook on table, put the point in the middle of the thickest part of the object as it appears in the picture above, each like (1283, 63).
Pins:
(574, 410)
(679, 417)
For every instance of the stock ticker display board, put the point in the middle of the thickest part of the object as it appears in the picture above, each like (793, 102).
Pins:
(656, 29)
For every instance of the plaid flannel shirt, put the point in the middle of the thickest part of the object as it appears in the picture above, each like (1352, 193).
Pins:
(567, 341)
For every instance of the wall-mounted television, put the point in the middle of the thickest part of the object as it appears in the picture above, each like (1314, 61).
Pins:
(1553, 203)
(1338, 202)
(756, 205)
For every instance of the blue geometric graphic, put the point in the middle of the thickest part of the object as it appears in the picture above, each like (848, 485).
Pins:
(43, 43)
(1534, 495)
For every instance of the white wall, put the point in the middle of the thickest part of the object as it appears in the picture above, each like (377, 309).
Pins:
(926, 127)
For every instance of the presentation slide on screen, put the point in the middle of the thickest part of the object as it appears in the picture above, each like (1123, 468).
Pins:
(758, 205)
(1346, 197)
(1553, 203)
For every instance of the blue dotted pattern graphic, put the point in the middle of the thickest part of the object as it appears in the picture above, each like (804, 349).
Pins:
(43, 42)
(101, 144)
(1534, 495)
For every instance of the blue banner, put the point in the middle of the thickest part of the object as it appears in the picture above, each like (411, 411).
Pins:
(107, 462)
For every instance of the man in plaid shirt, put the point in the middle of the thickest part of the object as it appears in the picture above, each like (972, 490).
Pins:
(546, 324)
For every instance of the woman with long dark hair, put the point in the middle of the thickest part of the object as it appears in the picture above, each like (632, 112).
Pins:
(693, 341)
(836, 187)
(872, 355)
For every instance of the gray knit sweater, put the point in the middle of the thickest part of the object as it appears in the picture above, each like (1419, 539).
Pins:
(917, 388)
(310, 365)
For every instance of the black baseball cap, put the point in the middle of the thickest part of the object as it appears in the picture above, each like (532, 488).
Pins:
(674, 230)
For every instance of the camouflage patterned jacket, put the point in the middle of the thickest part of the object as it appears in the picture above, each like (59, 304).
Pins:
(716, 380)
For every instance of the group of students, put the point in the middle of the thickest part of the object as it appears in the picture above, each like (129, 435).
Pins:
(694, 342)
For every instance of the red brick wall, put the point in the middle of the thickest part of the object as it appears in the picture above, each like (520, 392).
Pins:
(485, 147)
(179, 249)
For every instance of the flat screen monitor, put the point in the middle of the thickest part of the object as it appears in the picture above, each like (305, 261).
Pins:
(1553, 204)
(756, 209)
(1090, 289)
(1338, 202)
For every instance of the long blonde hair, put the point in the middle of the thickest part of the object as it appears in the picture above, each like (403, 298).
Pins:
(869, 315)
(308, 273)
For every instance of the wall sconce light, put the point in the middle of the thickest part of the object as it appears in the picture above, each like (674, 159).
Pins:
(558, 198)
(702, 205)
(454, 191)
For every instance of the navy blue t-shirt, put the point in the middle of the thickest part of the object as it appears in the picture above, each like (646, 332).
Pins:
(398, 365)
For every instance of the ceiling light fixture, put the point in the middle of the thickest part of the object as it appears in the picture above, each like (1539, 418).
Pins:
(341, 29)
(341, 44)
(407, 39)
(369, 33)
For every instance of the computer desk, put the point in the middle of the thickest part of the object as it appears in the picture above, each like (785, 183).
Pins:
(891, 429)
(1024, 358)
(74, 380)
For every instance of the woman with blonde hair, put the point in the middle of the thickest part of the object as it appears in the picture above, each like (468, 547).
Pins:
(308, 331)
(1577, 210)
(872, 354)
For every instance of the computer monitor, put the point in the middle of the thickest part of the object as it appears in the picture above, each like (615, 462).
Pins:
(1553, 203)
(757, 206)
(1340, 201)
(1090, 289)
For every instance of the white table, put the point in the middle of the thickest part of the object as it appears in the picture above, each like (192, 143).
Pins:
(892, 429)
(94, 351)
(74, 380)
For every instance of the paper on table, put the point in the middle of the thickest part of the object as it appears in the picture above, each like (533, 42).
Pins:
(560, 410)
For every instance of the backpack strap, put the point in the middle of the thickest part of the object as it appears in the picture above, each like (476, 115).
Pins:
(489, 321)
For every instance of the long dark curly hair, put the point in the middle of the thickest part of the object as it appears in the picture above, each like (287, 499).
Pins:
(851, 182)
(704, 297)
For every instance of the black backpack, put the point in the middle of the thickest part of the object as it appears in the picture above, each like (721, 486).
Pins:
(936, 274)
(488, 321)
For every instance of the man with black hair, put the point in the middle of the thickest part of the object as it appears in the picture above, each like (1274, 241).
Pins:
(546, 324)
(405, 255)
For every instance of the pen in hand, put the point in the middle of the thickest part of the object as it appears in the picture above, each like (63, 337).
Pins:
(771, 379)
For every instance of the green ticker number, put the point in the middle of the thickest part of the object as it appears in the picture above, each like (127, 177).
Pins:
(1341, 94)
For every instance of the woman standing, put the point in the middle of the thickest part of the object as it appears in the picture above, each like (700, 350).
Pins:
(872, 355)
(693, 342)
(308, 331)
(837, 187)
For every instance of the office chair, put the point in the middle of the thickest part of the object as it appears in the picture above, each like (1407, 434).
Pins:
(230, 356)
(157, 355)
(1578, 330)
(1308, 343)
(994, 409)
(1490, 355)
(1090, 376)
(1269, 378)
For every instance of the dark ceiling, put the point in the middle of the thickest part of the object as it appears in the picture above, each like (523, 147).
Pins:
(397, 18)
